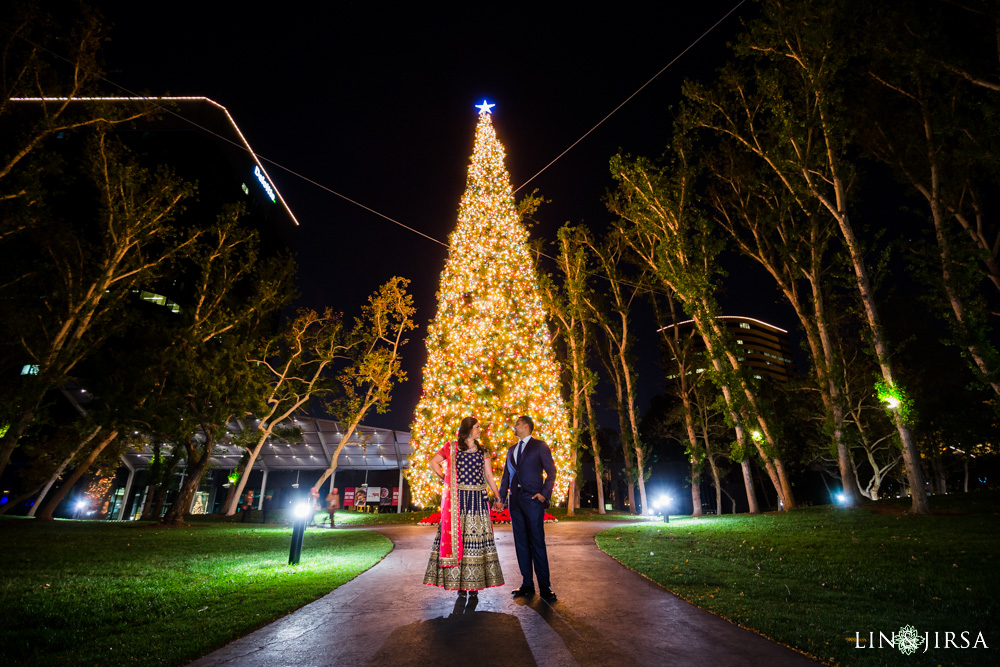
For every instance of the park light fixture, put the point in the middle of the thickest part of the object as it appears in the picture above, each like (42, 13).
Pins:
(300, 511)
(891, 397)
(757, 436)
(80, 505)
(663, 502)
(841, 498)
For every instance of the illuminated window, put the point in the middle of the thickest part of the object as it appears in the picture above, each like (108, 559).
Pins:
(246, 190)
(744, 325)
(739, 341)
(29, 369)
(159, 300)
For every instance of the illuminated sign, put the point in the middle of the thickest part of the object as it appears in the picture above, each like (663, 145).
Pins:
(263, 181)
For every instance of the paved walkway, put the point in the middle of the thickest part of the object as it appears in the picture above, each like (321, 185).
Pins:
(605, 615)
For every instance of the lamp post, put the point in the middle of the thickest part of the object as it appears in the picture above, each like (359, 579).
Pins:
(301, 512)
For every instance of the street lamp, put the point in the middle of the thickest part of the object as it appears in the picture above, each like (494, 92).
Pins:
(301, 512)
(80, 506)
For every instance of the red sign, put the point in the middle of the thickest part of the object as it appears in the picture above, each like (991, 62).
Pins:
(395, 496)
(349, 497)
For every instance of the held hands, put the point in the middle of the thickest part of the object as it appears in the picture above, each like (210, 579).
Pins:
(497, 506)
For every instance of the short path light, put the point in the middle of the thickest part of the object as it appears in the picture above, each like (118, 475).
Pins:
(663, 503)
(301, 512)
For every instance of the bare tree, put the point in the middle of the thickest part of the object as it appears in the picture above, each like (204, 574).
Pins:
(567, 304)
(87, 274)
(375, 351)
(786, 109)
(613, 314)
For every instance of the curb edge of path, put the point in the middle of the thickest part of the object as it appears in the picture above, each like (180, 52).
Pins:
(717, 615)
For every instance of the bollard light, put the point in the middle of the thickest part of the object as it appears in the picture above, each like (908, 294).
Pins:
(301, 511)
(664, 502)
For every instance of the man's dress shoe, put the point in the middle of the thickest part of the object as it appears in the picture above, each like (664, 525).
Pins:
(548, 594)
(523, 592)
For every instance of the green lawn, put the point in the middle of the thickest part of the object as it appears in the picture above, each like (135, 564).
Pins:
(814, 577)
(350, 518)
(590, 514)
(79, 592)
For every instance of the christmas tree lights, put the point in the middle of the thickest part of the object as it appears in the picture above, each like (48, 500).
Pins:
(489, 349)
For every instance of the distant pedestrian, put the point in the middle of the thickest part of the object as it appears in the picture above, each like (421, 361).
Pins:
(266, 506)
(332, 505)
(313, 504)
(247, 506)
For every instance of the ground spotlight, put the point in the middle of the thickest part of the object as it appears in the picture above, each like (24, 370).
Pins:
(841, 499)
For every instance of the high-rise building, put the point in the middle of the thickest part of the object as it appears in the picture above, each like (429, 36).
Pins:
(762, 347)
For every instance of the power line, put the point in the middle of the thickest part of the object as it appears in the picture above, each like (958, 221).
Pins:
(292, 172)
(627, 99)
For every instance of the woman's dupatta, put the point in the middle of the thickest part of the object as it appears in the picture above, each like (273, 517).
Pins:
(450, 553)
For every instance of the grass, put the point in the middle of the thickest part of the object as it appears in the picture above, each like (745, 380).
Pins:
(80, 592)
(591, 514)
(814, 577)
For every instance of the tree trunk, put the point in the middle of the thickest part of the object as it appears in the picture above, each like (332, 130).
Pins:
(693, 443)
(9, 440)
(629, 468)
(989, 375)
(595, 447)
(235, 491)
(67, 486)
(911, 456)
(58, 471)
(718, 485)
(748, 484)
(573, 494)
(175, 515)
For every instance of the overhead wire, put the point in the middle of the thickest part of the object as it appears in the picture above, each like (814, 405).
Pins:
(629, 98)
(303, 177)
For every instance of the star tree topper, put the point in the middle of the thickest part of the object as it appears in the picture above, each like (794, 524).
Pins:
(485, 108)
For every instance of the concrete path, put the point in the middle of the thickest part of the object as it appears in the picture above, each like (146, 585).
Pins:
(605, 615)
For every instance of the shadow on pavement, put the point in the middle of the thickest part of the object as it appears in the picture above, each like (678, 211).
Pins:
(465, 636)
(586, 644)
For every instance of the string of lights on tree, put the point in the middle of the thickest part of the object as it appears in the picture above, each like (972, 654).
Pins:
(489, 349)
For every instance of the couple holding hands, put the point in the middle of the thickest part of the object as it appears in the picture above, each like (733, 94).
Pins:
(464, 556)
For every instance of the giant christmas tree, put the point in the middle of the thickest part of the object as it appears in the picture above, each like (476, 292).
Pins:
(489, 350)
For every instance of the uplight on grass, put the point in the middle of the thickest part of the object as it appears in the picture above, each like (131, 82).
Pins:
(73, 583)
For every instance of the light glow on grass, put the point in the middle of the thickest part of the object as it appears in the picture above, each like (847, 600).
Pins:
(127, 593)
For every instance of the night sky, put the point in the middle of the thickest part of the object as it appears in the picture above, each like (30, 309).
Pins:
(376, 102)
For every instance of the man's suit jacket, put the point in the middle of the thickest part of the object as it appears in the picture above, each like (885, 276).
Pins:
(535, 459)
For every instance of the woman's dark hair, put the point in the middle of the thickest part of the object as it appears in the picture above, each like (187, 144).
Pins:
(464, 429)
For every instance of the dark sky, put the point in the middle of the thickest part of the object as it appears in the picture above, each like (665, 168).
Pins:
(375, 102)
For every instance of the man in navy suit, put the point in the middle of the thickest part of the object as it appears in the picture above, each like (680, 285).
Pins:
(527, 495)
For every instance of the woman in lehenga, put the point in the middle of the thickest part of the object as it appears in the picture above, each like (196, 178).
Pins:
(464, 556)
